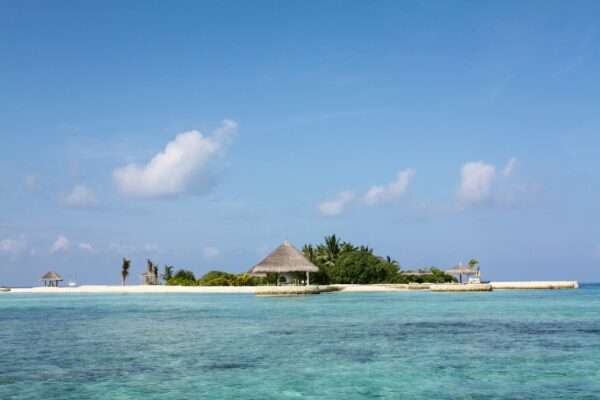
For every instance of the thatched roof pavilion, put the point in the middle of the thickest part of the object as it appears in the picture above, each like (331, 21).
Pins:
(283, 261)
(51, 279)
(461, 270)
(149, 278)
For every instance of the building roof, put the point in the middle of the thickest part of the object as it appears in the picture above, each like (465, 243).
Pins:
(417, 272)
(461, 270)
(285, 258)
(52, 276)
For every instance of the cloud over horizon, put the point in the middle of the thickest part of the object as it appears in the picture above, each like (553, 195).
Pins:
(186, 164)
(375, 196)
(80, 197)
(13, 246)
(392, 192)
(476, 182)
(86, 246)
(210, 252)
(60, 244)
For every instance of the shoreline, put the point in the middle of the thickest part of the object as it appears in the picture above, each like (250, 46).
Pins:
(533, 285)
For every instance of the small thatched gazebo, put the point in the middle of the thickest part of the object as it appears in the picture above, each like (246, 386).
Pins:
(284, 261)
(149, 278)
(51, 279)
(461, 270)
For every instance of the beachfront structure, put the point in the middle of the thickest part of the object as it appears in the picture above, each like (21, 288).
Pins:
(149, 278)
(284, 261)
(460, 270)
(417, 272)
(51, 279)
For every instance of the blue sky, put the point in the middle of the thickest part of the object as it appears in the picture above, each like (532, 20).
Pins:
(202, 134)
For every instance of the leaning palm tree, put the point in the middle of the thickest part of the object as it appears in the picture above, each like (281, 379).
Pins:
(150, 266)
(473, 262)
(125, 270)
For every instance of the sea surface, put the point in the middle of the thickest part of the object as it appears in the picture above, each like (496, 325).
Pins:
(400, 345)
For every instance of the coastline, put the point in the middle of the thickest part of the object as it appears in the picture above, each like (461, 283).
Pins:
(535, 285)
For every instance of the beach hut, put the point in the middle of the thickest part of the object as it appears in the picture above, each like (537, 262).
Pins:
(284, 261)
(461, 270)
(149, 278)
(51, 279)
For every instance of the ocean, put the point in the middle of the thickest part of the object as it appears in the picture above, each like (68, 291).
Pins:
(390, 345)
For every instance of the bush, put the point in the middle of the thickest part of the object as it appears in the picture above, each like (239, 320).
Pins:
(361, 267)
(183, 278)
(218, 278)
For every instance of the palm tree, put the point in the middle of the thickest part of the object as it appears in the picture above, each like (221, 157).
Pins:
(347, 247)
(391, 264)
(366, 249)
(155, 271)
(309, 252)
(150, 266)
(125, 270)
(168, 273)
(389, 261)
(473, 262)
(329, 251)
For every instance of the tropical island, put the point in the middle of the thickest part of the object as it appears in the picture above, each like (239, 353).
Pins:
(338, 262)
(333, 265)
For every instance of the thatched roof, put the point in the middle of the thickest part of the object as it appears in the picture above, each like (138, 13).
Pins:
(416, 272)
(461, 270)
(285, 258)
(150, 274)
(52, 276)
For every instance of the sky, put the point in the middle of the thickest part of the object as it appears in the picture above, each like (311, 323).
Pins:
(203, 134)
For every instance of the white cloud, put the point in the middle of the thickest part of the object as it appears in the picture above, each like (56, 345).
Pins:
(80, 197)
(121, 248)
(86, 246)
(476, 182)
(185, 164)
(376, 195)
(392, 192)
(210, 252)
(151, 247)
(61, 244)
(510, 167)
(13, 246)
(338, 205)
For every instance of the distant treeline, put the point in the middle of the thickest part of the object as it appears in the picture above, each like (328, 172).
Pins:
(338, 262)
(343, 262)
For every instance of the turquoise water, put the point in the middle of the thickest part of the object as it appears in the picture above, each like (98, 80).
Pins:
(409, 345)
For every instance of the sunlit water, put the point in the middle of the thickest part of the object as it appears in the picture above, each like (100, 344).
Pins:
(504, 344)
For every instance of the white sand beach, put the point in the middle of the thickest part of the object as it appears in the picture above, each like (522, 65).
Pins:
(254, 289)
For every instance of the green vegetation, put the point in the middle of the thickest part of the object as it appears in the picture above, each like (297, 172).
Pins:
(339, 263)
(183, 278)
(168, 274)
(213, 278)
(218, 278)
(435, 276)
(342, 262)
